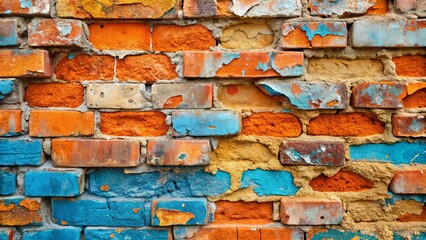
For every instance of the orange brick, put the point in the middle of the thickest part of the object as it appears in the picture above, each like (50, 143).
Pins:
(243, 212)
(146, 68)
(410, 66)
(409, 181)
(19, 211)
(25, 63)
(54, 95)
(85, 67)
(208, 232)
(248, 233)
(177, 38)
(281, 233)
(95, 153)
(380, 7)
(126, 36)
(342, 181)
(10, 122)
(134, 123)
(60, 123)
(272, 124)
(346, 124)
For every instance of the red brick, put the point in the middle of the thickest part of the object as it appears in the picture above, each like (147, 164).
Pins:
(9, 32)
(55, 33)
(19, 211)
(409, 126)
(409, 182)
(346, 125)
(295, 211)
(410, 65)
(178, 152)
(127, 36)
(61, 123)
(95, 153)
(248, 233)
(379, 95)
(272, 124)
(416, 95)
(37, 7)
(342, 181)
(10, 122)
(413, 217)
(146, 68)
(25, 63)
(82, 67)
(243, 212)
(171, 38)
(317, 153)
(149, 124)
(54, 95)
(380, 7)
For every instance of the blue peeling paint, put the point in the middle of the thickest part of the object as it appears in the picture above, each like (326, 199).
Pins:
(181, 182)
(50, 183)
(25, 3)
(397, 153)
(266, 183)
(67, 233)
(9, 40)
(20, 152)
(228, 57)
(334, 234)
(71, 56)
(64, 29)
(4, 234)
(195, 206)
(146, 233)
(94, 211)
(6, 88)
(263, 66)
(416, 125)
(7, 183)
(286, 71)
(412, 236)
(323, 30)
(398, 197)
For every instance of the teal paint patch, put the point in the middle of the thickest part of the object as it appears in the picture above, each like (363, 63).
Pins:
(407, 235)
(267, 183)
(7, 183)
(146, 233)
(64, 29)
(71, 56)
(197, 207)
(6, 88)
(416, 125)
(6, 233)
(25, 3)
(263, 66)
(333, 234)
(338, 29)
(21, 152)
(286, 71)
(398, 197)
(67, 233)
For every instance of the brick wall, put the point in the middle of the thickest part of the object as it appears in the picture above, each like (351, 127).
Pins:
(212, 119)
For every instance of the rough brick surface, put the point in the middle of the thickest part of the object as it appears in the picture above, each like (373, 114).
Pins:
(342, 181)
(54, 95)
(82, 67)
(171, 38)
(410, 66)
(18, 211)
(243, 212)
(21, 152)
(55, 33)
(271, 124)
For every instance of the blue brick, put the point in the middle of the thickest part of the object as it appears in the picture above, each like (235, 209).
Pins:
(180, 182)
(146, 233)
(405, 235)
(66, 233)
(334, 234)
(54, 182)
(94, 211)
(5, 233)
(206, 123)
(7, 183)
(21, 152)
(398, 197)
(266, 183)
(397, 153)
(9, 35)
(6, 88)
(184, 211)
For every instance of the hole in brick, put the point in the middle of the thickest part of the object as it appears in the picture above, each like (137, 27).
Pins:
(148, 88)
(102, 94)
(101, 26)
(322, 217)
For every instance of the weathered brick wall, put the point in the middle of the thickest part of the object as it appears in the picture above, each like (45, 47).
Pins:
(212, 119)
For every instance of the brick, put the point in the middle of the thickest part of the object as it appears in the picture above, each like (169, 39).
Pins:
(330, 68)
(380, 7)
(45, 182)
(396, 153)
(240, 97)
(11, 91)
(409, 126)
(271, 124)
(343, 8)
(24, 63)
(9, 32)
(209, 232)
(413, 236)
(312, 153)
(84, 67)
(182, 96)
(150, 124)
(10, 122)
(248, 233)
(127, 36)
(145, 233)
(281, 233)
(310, 211)
(243, 212)
(410, 65)
(416, 95)
(55, 33)
(95, 153)
(267, 183)
(314, 35)
(242, 64)
(373, 33)
(61, 123)
(411, 5)
(378, 95)
(118, 10)
(183, 182)
(65, 233)
(172, 38)
(95, 211)
(69, 95)
(31, 7)
(342, 181)
(19, 211)
(7, 183)
(206, 123)
(335, 234)
(414, 217)
(21, 152)
(346, 124)
(183, 211)
(409, 182)
(247, 36)
(154, 67)
(178, 152)
(306, 95)
(7, 233)
(117, 96)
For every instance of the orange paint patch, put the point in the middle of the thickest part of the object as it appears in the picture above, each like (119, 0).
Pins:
(64, 222)
(342, 181)
(104, 188)
(272, 124)
(232, 89)
(10, 121)
(32, 205)
(243, 212)
(25, 63)
(168, 217)
(136, 210)
(295, 89)
(54, 95)
(127, 36)
(173, 102)
(415, 100)
(410, 66)
(380, 7)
